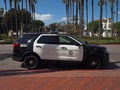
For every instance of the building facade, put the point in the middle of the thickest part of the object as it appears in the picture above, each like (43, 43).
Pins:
(106, 25)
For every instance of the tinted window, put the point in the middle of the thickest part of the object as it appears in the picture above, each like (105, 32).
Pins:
(49, 40)
(26, 38)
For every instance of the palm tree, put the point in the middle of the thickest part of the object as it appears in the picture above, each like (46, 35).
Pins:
(33, 11)
(32, 7)
(10, 2)
(112, 16)
(81, 15)
(21, 17)
(117, 5)
(22, 11)
(73, 1)
(100, 3)
(33, 2)
(15, 7)
(5, 4)
(105, 1)
(117, 12)
(1, 15)
(66, 2)
(70, 10)
(76, 17)
(1, 12)
(87, 15)
(26, 2)
(92, 17)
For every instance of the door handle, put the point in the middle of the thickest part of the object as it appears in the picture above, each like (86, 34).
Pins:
(63, 48)
(38, 46)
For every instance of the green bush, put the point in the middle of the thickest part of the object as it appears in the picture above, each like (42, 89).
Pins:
(6, 39)
(102, 40)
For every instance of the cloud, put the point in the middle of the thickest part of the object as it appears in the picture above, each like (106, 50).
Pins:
(46, 18)
(63, 19)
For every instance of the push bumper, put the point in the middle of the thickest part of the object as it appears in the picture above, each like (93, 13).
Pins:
(106, 59)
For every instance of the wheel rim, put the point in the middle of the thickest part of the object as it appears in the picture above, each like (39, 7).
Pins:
(31, 62)
(93, 63)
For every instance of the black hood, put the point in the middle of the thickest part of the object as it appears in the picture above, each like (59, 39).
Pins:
(93, 49)
(93, 46)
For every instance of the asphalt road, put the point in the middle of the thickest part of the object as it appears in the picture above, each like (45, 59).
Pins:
(5, 58)
(7, 63)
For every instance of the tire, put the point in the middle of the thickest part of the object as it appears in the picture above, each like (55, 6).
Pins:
(31, 62)
(93, 62)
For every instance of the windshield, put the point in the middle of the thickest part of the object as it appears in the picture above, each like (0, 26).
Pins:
(77, 39)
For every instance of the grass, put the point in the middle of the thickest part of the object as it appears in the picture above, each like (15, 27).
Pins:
(6, 40)
(102, 40)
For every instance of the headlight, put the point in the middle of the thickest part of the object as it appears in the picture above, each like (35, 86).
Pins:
(105, 50)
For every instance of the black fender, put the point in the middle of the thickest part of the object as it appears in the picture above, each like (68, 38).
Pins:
(30, 53)
(85, 57)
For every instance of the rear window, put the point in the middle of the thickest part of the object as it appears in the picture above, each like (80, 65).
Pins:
(26, 38)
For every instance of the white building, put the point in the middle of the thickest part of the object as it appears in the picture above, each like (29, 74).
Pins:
(106, 25)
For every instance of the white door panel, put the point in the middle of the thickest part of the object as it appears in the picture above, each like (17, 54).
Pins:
(70, 53)
(46, 51)
(59, 52)
(63, 48)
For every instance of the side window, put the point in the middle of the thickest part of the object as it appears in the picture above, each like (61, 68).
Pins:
(48, 40)
(67, 41)
(26, 38)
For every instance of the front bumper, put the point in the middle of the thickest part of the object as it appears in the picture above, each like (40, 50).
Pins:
(106, 59)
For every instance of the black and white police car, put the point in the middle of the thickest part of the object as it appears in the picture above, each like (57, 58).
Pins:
(33, 48)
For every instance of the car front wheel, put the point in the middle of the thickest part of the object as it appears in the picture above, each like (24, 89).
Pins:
(93, 62)
(31, 62)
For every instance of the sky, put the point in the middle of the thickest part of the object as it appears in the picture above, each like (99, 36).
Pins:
(50, 11)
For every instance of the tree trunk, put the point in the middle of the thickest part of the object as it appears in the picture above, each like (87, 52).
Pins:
(112, 17)
(76, 17)
(6, 26)
(100, 25)
(87, 17)
(16, 21)
(92, 18)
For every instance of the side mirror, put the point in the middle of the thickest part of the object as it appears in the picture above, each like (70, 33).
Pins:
(77, 44)
(86, 42)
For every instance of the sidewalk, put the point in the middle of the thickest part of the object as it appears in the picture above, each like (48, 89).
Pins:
(61, 80)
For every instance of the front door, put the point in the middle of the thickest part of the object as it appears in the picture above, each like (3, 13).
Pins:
(69, 49)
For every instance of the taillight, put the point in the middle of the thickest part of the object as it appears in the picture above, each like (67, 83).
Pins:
(16, 45)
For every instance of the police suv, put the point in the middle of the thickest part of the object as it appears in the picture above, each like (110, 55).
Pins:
(33, 48)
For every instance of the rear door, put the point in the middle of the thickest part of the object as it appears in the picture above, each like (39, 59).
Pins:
(46, 47)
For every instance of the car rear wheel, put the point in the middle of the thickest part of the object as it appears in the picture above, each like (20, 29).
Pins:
(31, 62)
(93, 62)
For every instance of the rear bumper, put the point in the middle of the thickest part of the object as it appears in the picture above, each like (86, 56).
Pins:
(15, 58)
